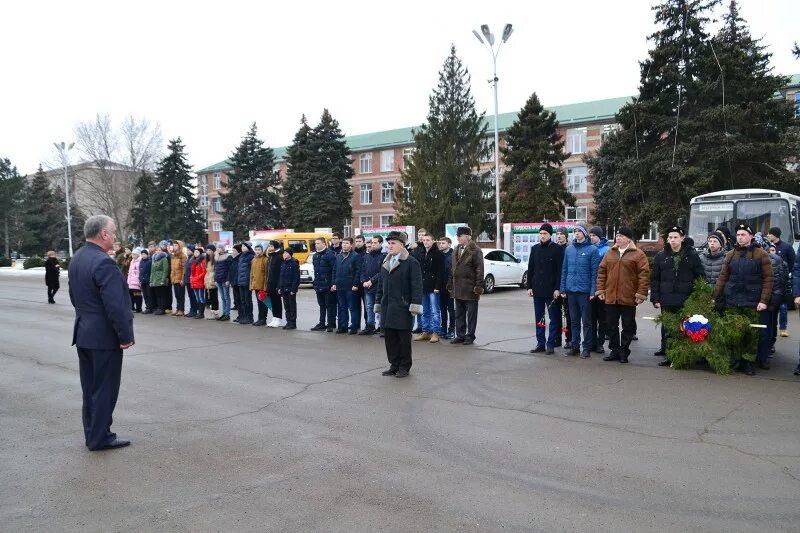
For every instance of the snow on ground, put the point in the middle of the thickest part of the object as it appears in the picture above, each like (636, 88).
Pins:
(31, 272)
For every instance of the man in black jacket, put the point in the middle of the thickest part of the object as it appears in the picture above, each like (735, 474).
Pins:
(675, 270)
(544, 280)
(447, 305)
(399, 298)
(103, 328)
(786, 252)
(433, 281)
(275, 251)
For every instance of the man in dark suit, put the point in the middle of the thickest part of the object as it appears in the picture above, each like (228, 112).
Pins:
(103, 328)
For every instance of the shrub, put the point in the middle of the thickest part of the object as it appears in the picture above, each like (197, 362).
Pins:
(5, 261)
(65, 263)
(33, 262)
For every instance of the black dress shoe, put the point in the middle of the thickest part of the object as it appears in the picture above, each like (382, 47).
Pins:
(353, 332)
(538, 349)
(116, 443)
(634, 338)
(417, 331)
(665, 362)
(260, 323)
(401, 374)
(318, 327)
(457, 340)
(574, 351)
(599, 349)
(763, 366)
(611, 357)
(390, 372)
(329, 330)
(623, 359)
(660, 353)
(797, 371)
(339, 331)
(549, 351)
(468, 342)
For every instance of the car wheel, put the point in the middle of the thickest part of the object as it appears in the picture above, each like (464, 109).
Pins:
(488, 284)
(524, 282)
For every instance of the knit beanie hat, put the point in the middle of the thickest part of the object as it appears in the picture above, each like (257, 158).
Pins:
(626, 231)
(720, 237)
(582, 229)
(546, 227)
(597, 231)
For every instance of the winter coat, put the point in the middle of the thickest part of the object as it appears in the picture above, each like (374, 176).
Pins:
(622, 279)
(145, 266)
(211, 266)
(159, 272)
(466, 275)
(399, 295)
(52, 271)
(177, 264)
(243, 272)
(786, 252)
(579, 269)
(746, 278)
(796, 279)
(712, 265)
(124, 263)
(336, 251)
(602, 247)
(198, 275)
(348, 271)
(669, 286)
(258, 273)
(222, 268)
(274, 264)
(448, 268)
(324, 268)
(289, 276)
(780, 273)
(371, 269)
(544, 268)
(233, 275)
(133, 275)
(433, 272)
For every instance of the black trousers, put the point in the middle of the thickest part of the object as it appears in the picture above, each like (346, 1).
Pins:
(327, 307)
(136, 301)
(448, 311)
(147, 294)
(261, 305)
(598, 322)
(168, 298)
(398, 348)
(192, 300)
(277, 306)
(620, 343)
(566, 322)
(162, 297)
(180, 296)
(290, 304)
(100, 371)
(51, 292)
(466, 318)
(664, 334)
(236, 297)
(245, 305)
(212, 299)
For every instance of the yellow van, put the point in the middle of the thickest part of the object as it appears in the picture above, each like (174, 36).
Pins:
(301, 244)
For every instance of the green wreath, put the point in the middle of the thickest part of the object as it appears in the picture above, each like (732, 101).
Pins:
(730, 341)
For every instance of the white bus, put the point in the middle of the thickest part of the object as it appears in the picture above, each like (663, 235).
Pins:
(760, 208)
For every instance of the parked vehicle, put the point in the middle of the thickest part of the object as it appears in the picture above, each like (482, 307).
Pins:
(307, 269)
(302, 244)
(502, 268)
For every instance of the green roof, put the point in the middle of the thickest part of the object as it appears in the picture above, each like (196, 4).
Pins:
(584, 112)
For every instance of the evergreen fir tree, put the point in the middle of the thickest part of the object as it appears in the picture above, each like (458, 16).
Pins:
(533, 186)
(299, 205)
(329, 168)
(443, 176)
(142, 209)
(43, 218)
(175, 214)
(12, 186)
(252, 200)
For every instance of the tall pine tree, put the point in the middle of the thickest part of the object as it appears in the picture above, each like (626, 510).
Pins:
(175, 214)
(43, 217)
(252, 200)
(299, 205)
(12, 186)
(443, 175)
(533, 186)
(142, 209)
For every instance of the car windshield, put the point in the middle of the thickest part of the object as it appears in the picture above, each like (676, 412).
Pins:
(761, 215)
(705, 218)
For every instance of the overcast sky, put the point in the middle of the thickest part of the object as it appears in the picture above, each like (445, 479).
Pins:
(206, 70)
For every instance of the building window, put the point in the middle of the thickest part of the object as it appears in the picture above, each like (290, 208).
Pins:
(407, 193)
(203, 200)
(216, 204)
(797, 104)
(408, 153)
(365, 221)
(487, 150)
(606, 131)
(365, 163)
(576, 141)
(217, 181)
(276, 168)
(387, 220)
(366, 193)
(576, 214)
(347, 229)
(576, 180)
(387, 160)
(387, 192)
(216, 226)
(652, 233)
(203, 186)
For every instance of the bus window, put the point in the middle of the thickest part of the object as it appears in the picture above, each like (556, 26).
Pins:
(298, 246)
(764, 214)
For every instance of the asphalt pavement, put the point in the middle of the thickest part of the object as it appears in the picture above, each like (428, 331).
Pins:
(257, 429)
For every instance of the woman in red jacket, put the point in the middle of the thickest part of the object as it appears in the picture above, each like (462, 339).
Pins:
(197, 280)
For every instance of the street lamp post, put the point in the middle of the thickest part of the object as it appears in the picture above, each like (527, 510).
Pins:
(62, 150)
(494, 51)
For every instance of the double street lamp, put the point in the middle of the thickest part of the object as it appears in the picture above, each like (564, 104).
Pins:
(489, 36)
(62, 150)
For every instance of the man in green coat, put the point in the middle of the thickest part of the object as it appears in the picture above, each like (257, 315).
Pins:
(159, 278)
(399, 299)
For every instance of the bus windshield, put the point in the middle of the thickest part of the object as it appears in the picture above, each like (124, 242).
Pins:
(705, 218)
(761, 215)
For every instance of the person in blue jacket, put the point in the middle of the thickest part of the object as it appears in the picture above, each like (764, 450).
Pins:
(370, 277)
(347, 286)
(597, 235)
(324, 262)
(288, 285)
(243, 280)
(144, 280)
(578, 278)
(222, 276)
(796, 295)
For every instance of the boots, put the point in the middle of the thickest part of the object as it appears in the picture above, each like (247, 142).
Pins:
(178, 313)
(423, 337)
(434, 337)
(201, 310)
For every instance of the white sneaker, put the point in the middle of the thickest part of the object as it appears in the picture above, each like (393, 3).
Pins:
(274, 323)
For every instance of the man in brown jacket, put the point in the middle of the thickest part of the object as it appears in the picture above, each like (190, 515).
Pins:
(258, 283)
(623, 281)
(177, 265)
(466, 285)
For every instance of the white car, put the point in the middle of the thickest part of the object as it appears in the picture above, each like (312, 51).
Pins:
(502, 268)
(307, 269)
